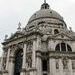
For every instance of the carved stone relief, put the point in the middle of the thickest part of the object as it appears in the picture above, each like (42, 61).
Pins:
(45, 28)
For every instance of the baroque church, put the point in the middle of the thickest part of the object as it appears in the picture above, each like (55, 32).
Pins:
(44, 47)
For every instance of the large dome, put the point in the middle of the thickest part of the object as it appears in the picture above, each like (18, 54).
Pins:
(45, 12)
(46, 18)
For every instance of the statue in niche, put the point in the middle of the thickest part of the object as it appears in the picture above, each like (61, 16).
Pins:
(65, 63)
(29, 61)
(57, 64)
(29, 46)
(4, 64)
(73, 64)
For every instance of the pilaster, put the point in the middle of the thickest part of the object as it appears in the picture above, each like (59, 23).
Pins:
(11, 65)
(60, 67)
(7, 61)
(33, 54)
(34, 57)
(70, 67)
(24, 60)
(52, 66)
(6, 71)
(39, 66)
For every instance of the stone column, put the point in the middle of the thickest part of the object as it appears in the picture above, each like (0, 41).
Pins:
(38, 43)
(24, 60)
(6, 71)
(34, 58)
(60, 67)
(38, 58)
(52, 66)
(70, 67)
(51, 45)
(33, 54)
(1, 65)
(39, 66)
(7, 61)
(11, 65)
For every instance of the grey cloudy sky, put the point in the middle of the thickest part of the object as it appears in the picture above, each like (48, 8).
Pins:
(13, 11)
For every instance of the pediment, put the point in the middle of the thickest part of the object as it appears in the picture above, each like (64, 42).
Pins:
(63, 36)
(15, 36)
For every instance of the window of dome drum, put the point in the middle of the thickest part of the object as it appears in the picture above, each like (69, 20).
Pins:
(56, 31)
(63, 47)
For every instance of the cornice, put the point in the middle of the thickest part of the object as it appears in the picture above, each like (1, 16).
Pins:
(53, 54)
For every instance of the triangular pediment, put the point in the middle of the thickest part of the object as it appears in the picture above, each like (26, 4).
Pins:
(63, 36)
(15, 36)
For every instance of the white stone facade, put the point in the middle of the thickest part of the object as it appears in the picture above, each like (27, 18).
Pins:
(44, 47)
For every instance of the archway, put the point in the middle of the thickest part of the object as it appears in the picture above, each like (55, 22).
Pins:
(18, 62)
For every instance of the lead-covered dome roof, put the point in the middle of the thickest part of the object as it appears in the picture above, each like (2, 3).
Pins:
(45, 12)
(45, 19)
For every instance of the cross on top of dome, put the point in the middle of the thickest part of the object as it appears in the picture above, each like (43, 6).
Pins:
(44, 1)
(45, 5)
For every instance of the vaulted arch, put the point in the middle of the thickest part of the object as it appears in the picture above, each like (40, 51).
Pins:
(18, 61)
(57, 47)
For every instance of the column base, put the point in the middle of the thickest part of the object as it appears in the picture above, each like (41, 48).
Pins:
(0, 72)
(5, 72)
(23, 72)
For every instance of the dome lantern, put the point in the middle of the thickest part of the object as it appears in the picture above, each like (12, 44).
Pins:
(45, 5)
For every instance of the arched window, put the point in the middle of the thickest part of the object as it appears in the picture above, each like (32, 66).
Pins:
(63, 47)
(56, 31)
(69, 48)
(18, 62)
(57, 47)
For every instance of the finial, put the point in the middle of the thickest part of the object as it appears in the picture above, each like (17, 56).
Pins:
(44, 1)
(19, 27)
(6, 36)
(70, 28)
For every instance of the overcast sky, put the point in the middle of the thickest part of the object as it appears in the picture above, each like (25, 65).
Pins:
(13, 11)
